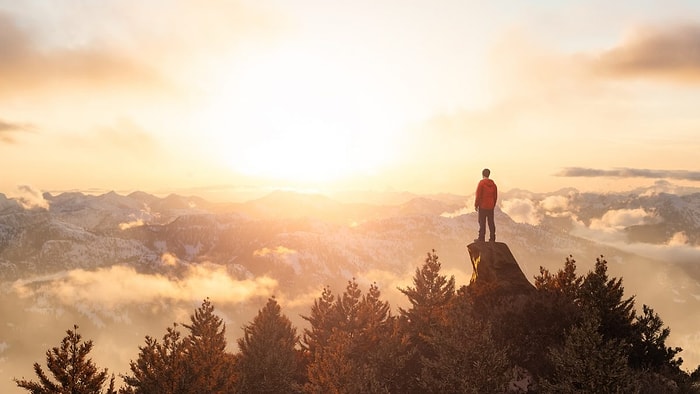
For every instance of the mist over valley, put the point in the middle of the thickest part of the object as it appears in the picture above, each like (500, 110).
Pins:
(126, 266)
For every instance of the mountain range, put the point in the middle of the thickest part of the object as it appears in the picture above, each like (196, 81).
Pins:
(125, 266)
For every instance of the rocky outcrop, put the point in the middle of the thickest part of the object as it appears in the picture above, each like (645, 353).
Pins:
(496, 269)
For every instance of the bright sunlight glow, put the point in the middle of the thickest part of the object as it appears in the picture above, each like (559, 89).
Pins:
(301, 123)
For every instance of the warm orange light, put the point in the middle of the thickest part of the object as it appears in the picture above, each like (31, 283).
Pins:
(300, 121)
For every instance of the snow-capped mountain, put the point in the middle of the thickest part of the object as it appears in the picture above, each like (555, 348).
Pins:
(130, 262)
(329, 241)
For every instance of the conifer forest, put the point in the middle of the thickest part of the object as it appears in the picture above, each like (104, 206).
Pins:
(575, 333)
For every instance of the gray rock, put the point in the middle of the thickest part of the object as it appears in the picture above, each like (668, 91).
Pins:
(496, 270)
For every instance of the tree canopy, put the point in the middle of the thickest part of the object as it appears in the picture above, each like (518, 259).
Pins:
(574, 334)
(72, 370)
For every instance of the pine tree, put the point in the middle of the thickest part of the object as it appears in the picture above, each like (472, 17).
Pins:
(467, 360)
(526, 325)
(588, 363)
(373, 319)
(348, 308)
(73, 372)
(161, 367)
(360, 353)
(268, 358)
(566, 282)
(429, 297)
(208, 361)
(694, 380)
(375, 345)
(192, 364)
(649, 350)
(322, 319)
(605, 297)
(331, 369)
(328, 341)
(642, 337)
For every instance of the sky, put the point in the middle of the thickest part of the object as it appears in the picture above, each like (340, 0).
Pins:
(226, 99)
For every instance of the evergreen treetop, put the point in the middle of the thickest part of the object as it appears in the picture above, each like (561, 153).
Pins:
(72, 370)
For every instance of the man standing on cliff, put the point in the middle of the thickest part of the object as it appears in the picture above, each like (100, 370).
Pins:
(484, 203)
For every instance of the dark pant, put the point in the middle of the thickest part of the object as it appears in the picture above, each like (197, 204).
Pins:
(486, 214)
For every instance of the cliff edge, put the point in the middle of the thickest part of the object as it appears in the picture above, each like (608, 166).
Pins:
(496, 269)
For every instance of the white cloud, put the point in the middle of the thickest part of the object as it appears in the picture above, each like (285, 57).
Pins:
(661, 186)
(29, 198)
(618, 219)
(278, 251)
(169, 259)
(121, 285)
(281, 253)
(462, 211)
(133, 223)
(609, 228)
(677, 253)
(302, 301)
(555, 204)
(678, 239)
(522, 211)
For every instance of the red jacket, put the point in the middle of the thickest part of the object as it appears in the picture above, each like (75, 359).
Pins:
(486, 194)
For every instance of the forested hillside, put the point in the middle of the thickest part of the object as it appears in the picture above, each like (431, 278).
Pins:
(571, 333)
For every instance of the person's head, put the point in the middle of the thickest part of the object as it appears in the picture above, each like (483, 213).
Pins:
(486, 173)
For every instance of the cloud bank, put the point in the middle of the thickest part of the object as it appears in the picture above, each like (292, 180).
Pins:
(618, 219)
(29, 63)
(665, 52)
(522, 211)
(630, 173)
(119, 286)
(116, 45)
(283, 254)
(29, 198)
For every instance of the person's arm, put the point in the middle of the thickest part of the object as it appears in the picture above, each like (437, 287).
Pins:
(477, 197)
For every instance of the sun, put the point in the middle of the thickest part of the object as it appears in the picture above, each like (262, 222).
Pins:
(300, 155)
(294, 118)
